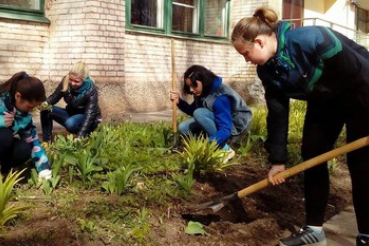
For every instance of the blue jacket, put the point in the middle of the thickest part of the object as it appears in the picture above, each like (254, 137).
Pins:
(232, 116)
(24, 127)
(311, 63)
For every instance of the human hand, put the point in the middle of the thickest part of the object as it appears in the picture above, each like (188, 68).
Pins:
(8, 118)
(174, 96)
(77, 139)
(44, 175)
(45, 106)
(275, 170)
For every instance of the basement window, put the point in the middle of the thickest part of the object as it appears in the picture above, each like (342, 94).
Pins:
(192, 18)
(28, 10)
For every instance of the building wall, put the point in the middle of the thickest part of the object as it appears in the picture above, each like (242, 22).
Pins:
(23, 47)
(132, 70)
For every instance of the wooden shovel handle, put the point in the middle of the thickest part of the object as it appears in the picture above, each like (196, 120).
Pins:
(357, 144)
(174, 104)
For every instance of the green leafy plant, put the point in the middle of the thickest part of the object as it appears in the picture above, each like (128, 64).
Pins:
(33, 180)
(50, 185)
(9, 211)
(140, 226)
(119, 180)
(204, 155)
(185, 181)
(244, 149)
(258, 124)
(85, 163)
(195, 228)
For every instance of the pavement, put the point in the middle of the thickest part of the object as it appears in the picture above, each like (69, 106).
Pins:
(341, 229)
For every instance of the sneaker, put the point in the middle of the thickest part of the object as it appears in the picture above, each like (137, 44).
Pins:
(306, 236)
(228, 155)
(361, 241)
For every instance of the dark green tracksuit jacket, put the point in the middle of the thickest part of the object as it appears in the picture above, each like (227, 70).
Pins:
(330, 72)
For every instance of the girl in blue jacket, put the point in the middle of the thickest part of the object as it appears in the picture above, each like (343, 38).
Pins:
(217, 110)
(18, 136)
(330, 72)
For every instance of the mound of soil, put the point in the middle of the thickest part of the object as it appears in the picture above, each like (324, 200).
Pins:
(258, 219)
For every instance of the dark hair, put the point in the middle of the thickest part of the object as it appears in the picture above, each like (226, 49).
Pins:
(199, 73)
(263, 22)
(30, 88)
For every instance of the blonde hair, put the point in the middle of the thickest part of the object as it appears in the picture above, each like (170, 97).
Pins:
(263, 22)
(79, 69)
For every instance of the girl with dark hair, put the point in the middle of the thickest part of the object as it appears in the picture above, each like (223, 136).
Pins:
(330, 72)
(217, 110)
(19, 141)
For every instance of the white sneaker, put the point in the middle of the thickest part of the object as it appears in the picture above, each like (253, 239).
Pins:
(228, 155)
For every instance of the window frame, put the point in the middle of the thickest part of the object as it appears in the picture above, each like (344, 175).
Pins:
(19, 13)
(167, 23)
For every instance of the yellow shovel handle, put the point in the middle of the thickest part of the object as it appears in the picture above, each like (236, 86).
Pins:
(357, 144)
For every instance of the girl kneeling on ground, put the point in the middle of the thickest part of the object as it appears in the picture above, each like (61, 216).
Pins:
(18, 135)
(217, 110)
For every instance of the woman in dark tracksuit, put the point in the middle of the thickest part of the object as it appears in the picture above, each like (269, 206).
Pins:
(330, 72)
(82, 113)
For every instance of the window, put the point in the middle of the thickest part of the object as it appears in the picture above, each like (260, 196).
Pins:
(30, 10)
(147, 13)
(194, 18)
(216, 18)
(363, 20)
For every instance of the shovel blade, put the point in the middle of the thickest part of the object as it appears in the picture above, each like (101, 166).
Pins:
(214, 205)
(218, 204)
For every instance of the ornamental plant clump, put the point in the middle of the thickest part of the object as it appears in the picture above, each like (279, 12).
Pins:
(204, 155)
(9, 211)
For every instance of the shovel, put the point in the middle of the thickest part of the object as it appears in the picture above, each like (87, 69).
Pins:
(174, 104)
(218, 204)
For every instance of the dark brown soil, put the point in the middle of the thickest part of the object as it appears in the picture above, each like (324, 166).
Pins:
(258, 219)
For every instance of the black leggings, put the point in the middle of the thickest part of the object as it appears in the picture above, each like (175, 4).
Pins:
(323, 124)
(13, 151)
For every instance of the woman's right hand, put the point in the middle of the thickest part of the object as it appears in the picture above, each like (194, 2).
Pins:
(275, 170)
(174, 96)
(8, 118)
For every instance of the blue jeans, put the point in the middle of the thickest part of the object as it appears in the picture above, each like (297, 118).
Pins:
(72, 123)
(203, 121)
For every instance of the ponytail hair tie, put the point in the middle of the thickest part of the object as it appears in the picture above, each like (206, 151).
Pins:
(25, 75)
(259, 16)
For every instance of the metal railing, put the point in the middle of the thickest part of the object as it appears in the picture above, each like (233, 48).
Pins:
(358, 36)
